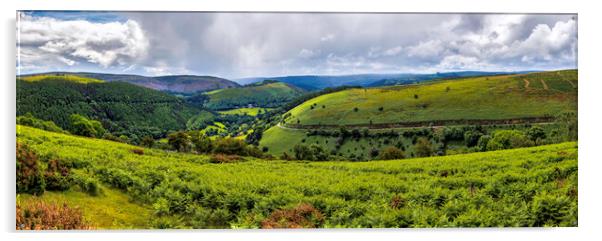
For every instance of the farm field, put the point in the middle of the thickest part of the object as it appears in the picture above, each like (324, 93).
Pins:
(474, 98)
(534, 186)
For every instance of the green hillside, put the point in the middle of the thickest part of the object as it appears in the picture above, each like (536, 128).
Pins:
(476, 98)
(60, 77)
(122, 108)
(521, 187)
(267, 94)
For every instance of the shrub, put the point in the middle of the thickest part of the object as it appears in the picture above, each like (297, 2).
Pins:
(83, 126)
(57, 176)
(29, 176)
(423, 147)
(137, 151)
(550, 210)
(202, 143)
(506, 139)
(39, 215)
(179, 141)
(29, 120)
(221, 158)
(482, 143)
(148, 141)
(536, 133)
(312, 152)
(471, 138)
(302, 216)
(230, 146)
(390, 153)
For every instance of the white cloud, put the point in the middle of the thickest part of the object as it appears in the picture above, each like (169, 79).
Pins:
(58, 42)
(327, 38)
(307, 53)
(430, 48)
(235, 45)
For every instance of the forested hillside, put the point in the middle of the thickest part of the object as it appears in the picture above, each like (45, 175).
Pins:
(122, 108)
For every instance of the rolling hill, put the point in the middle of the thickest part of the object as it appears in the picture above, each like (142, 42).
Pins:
(534, 95)
(179, 84)
(317, 82)
(123, 108)
(262, 94)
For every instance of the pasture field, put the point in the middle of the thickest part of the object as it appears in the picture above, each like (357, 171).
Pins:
(245, 111)
(475, 98)
(534, 186)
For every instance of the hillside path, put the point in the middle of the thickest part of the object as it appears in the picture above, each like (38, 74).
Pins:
(545, 86)
(526, 83)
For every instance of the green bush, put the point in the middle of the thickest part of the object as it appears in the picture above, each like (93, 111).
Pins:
(179, 141)
(483, 141)
(507, 139)
(82, 126)
(391, 153)
(312, 152)
(471, 138)
(29, 120)
(536, 133)
(423, 147)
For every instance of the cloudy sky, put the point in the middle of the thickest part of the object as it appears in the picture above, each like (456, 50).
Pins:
(236, 45)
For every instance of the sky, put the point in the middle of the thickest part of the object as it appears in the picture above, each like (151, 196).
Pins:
(237, 45)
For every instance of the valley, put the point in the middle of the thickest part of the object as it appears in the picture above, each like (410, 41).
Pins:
(348, 156)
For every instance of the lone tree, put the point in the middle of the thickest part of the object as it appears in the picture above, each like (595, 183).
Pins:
(202, 143)
(148, 141)
(179, 141)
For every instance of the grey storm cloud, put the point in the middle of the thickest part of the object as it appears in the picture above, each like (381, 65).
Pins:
(237, 45)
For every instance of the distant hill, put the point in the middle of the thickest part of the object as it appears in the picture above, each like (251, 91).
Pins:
(123, 108)
(316, 82)
(533, 95)
(261, 94)
(181, 84)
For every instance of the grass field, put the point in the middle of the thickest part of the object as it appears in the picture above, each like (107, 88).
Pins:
(245, 111)
(480, 98)
(68, 77)
(110, 210)
(265, 95)
(520, 187)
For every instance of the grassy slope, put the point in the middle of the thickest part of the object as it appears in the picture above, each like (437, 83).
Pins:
(258, 95)
(499, 97)
(71, 78)
(110, 210)
(242, 111)
(501, 188)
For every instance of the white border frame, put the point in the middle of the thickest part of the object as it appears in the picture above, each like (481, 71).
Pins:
(589, 176)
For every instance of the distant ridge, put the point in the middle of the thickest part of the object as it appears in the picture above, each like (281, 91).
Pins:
(180, 84)
(316, 82)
